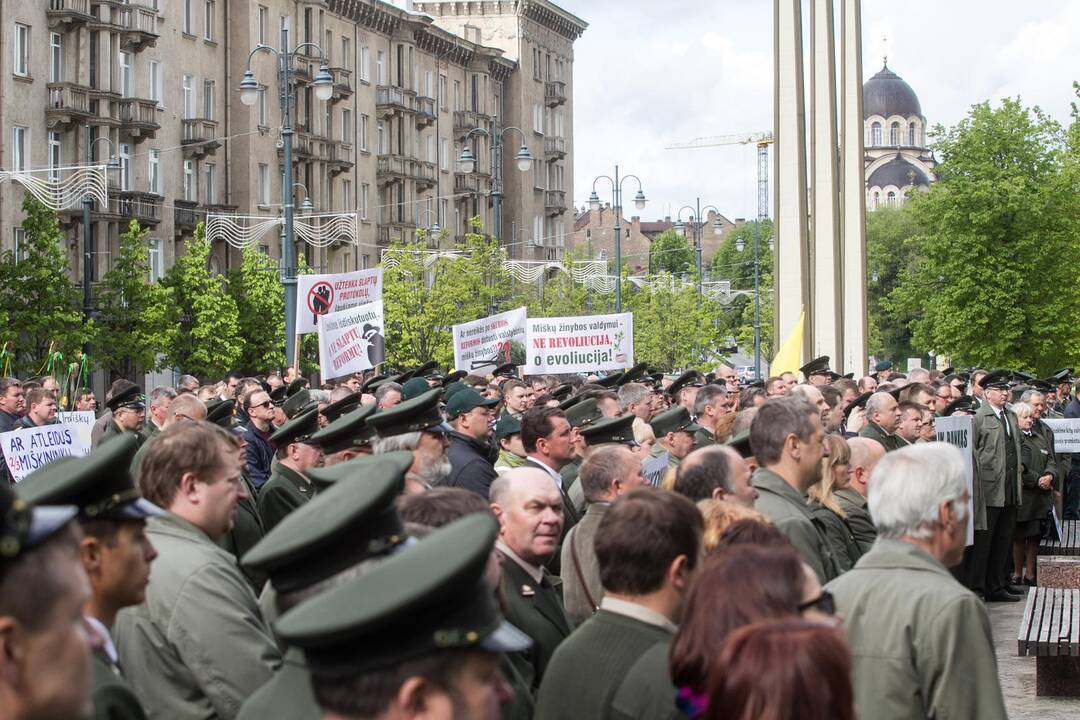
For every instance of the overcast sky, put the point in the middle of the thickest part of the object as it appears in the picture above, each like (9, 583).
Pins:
(648, 74)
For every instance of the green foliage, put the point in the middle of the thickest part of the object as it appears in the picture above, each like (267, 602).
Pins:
(888, 230)
(208, 340)
(260, 303)
(671, 252)
(992, 283)
(42, 304)
(673, 328)
(133, 324)
(560, 296)
(308, 346)
(737, 267)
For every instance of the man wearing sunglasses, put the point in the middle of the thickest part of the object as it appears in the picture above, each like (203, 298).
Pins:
(259, 452)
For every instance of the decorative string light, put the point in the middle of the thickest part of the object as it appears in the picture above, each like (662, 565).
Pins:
(63, 187)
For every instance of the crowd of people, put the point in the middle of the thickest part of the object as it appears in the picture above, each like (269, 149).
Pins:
(447, 545)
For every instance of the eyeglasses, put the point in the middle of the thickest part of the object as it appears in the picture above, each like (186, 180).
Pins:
(823, 602)
(262, 404)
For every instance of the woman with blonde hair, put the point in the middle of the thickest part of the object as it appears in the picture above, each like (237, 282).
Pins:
(720, 515)
(828, 515)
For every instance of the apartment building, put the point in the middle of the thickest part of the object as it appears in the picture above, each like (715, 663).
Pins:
(159, 79)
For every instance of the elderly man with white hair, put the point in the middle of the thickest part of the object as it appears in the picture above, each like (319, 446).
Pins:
(920, 642)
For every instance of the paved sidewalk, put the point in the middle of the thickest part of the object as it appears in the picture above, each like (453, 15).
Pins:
(1018, 673)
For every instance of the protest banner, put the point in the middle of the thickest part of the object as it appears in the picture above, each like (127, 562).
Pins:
(1066, 434)
(318, 295)
(958, 430)
(27, 449)
(82, 419)
(481, 345)
(589, 343)
(351, 340)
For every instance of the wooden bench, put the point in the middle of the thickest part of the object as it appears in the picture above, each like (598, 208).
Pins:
(1069, 544)
(1050, 631)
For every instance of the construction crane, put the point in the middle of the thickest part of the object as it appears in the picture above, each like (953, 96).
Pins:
(761, 139)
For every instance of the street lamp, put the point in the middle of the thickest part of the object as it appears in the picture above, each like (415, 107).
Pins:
(696, 225)
(467, 162)
(434, 230)
(740, 245)
(88, 235)
(306, 207)
(323, 85)
(639, 203)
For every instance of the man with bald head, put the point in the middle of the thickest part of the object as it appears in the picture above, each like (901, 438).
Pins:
(865, 454)
(715, 472)
(183, 408)
(882, 417)
(812, 395)
(529, 508)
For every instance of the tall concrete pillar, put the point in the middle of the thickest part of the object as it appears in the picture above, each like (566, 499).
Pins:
(853, 194)
(791, 265)
(826, 285)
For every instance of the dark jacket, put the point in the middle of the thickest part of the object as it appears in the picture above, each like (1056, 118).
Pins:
(112, 697)
(246, 532)
(888, 440)
(470, 467)
(259, 455)
(1036, 460)
(285, 491)
(7, 424)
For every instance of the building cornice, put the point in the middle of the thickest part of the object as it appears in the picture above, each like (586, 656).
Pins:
(542, 12)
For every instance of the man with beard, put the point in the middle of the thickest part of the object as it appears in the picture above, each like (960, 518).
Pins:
(416, 425)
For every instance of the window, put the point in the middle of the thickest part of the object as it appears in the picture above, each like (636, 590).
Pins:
(442, 91)
(875, 200)
(894, 134)
(156, 269)
(56, 57)
(127, 87)
(210, 183)
(22, 50)
(187, 20)
(20, 240)
(365, 192)
(54, 155)
(364, 132)
(189, 180)
(20, 148)
(125, 166)
(538, 118)
(380, 132)
(538, 174)
(262, 22)
(208, 99)
(431, 148)
(365, 63)
(346, 195)
(346, 53)
(560, 239)
(380, 67)
(328, 48)
(444, 154)
(443, 208)
(912, 135)
(875, 134)
(155, 81)
(188, 86)
(154, 172)
(348, 135)
(457, 95)
(429, 84)
(208, 20)
(264, 184)
(262, 107)
(537, 71)
(538, 230)
(890, 199)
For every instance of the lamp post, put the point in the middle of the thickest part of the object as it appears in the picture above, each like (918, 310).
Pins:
(696, 224)
(434, 230)
(639, 203)
(739, 245)
(88, 235)
(249, 94)
(467, 162)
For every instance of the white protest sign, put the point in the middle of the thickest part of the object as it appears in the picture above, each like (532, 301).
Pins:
(351, 340)
(82, 419)
(318, 295)
(589, 343)
(481, 345)
(1066, 434)
(27, 449)
(958, 430)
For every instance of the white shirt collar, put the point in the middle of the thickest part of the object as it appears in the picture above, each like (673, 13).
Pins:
(637, 612)
(536, 573)
(550, 471)
(106, 638)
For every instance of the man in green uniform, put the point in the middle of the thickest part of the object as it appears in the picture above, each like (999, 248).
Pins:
(347, 437)
(787, 439)
(580, 414)
(675, 434)
(882, 416)
(616, 664)
(339, 535)
(865, 454)
(198, 646)
(288, 487)
(910, 625)
(115, 552)
(710, 405)
(421, 630)
(128, 410)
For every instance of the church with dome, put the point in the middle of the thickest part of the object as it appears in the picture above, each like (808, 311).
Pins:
(897, 158)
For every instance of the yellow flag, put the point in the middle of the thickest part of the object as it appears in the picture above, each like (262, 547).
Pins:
(789, 357)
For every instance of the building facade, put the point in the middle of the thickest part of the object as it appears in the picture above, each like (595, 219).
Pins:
(160, 81)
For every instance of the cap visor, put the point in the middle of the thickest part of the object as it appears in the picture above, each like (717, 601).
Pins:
(692, 428)
(46, 520)
(506, 638)
(140, 509)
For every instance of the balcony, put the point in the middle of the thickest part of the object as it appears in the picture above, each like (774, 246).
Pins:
(185, 218)
(391, 99)
(139, 27)
(466, 120)
(342, 84)
(389, 168)
(339, 156)
(69, 105)
(138, 118)
(67, 14)
(554, 148)
(554, 202)
(424, 173)
(395, 231)
(129, 205)
(199, 137)
(425, 110)
(554, 93)
(471, 183)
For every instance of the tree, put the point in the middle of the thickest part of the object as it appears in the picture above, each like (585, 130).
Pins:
(41, 302)
(671, 252)
(736, 266)
(887, 231)
(208, 340)
(561, 296)
(260, 303)
(673, 326)
(991, 284)
(133, 325)
(307, 347)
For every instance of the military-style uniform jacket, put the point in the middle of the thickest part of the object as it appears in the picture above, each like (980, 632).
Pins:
(920, 642)
(112, 429)
(198, 646)
(997, 480)
(1037, 458)
(112, 697)
(582, 590)
(287, 695)
(703, 437)
(569, 472)
(845, 550)
(285, 491)
(571, 515)
(858, 518)
(888, 440)
(246, 531)
(789, 512)
(614, 667)
(537, 610)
